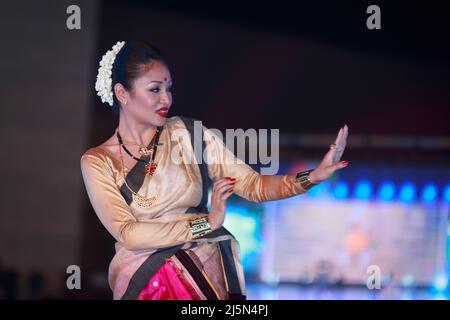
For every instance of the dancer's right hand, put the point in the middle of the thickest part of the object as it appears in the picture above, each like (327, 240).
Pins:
(222, 190)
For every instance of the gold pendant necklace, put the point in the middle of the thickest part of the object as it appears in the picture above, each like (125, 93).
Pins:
(144, 202)
(145, 152)
(150, 166)
(140, 200)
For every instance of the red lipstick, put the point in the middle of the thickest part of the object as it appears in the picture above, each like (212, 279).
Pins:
(162, 112)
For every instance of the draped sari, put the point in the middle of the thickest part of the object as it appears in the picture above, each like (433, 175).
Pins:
(156, 256)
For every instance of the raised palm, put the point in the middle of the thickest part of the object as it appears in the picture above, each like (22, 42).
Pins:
(331, 161)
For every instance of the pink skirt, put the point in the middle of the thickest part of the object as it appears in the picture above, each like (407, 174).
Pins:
(180, 279)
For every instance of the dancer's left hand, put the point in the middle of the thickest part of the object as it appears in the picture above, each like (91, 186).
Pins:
(331, 161)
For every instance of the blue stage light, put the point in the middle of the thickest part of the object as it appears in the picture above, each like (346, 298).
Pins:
(408, 280)
(387, 191)
(363, 189)
(245, 226)
(341, 190)
(440, 282)
(446, 193)
(440, 296)
(319, 191)
(430, 192)
(407, 192)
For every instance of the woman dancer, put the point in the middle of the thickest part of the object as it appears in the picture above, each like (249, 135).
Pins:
(151, 196)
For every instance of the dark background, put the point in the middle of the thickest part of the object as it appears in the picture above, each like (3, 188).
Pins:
(305, 68)
(248, 62)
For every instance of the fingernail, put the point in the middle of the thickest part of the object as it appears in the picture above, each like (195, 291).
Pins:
(232, 184)
(233, 179)
(345, 163)
(232, 190)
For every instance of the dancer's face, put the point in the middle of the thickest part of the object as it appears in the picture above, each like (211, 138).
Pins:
(150, 97)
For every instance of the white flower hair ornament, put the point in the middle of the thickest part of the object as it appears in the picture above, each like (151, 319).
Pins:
(103, 85)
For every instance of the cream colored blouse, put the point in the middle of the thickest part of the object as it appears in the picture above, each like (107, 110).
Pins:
(177, 185)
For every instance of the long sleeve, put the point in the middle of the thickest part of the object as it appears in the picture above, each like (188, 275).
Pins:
(250, 184)
(115, 214)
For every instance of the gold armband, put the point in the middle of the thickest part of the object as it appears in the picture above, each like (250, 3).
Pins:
(199, 227)
(303, 179)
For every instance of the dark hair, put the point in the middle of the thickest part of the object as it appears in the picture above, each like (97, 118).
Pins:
(130, 63)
